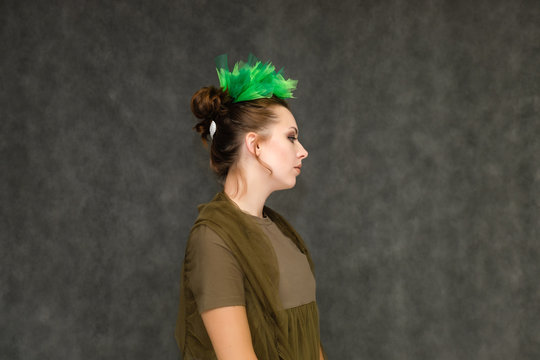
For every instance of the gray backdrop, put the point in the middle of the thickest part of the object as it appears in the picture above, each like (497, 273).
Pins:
(419, 199)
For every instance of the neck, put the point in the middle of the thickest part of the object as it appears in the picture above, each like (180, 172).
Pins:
(246, 193)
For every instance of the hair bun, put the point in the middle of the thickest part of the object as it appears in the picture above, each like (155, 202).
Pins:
(208, 103)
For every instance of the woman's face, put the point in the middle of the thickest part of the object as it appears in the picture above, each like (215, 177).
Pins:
(281, 151)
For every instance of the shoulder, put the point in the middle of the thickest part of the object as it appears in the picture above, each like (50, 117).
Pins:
(203, 237)
(226, 220)
(207, 250)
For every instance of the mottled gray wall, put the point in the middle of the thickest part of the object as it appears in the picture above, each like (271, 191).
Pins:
(419, 200)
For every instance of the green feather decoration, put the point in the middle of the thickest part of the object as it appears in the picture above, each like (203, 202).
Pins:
(253, 80)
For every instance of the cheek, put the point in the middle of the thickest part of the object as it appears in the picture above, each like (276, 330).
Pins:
(280, 154)
(274, 151)
(284, 154)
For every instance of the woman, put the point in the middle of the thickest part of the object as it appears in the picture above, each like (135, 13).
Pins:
(248, 290)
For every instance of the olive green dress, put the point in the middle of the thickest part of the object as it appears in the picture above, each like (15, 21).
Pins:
(216, 280)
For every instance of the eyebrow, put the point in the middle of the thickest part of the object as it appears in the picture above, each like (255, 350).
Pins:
(295, 129)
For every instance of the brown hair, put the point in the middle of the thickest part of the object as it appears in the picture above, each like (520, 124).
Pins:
(233, 121)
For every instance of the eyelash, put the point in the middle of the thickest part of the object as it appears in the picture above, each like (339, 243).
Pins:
(292, 138)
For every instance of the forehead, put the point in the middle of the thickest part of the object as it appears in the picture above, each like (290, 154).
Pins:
(284, 118)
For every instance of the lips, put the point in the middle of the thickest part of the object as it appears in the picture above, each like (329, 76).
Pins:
(298, 168)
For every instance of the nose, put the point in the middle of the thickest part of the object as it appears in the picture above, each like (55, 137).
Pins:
(302, 152)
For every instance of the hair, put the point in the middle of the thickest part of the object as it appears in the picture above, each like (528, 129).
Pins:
(233, 122)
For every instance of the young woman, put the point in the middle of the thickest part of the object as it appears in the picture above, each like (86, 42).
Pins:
(247, 287)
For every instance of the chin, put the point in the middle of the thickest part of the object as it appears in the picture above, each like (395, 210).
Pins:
(284, 182)
(291, 184)
(285, 186)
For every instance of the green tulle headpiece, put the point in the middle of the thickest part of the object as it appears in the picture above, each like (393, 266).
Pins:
(253, 80)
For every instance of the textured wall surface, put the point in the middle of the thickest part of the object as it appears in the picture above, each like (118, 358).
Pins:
(419, 200)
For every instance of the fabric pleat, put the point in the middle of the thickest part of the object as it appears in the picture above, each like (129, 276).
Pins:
(303, 331)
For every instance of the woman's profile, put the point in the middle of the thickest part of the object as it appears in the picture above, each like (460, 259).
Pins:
(247, 283)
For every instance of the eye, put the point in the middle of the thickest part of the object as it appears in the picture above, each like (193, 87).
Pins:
(292, 138)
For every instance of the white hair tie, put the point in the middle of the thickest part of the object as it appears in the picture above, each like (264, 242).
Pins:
(212, 129)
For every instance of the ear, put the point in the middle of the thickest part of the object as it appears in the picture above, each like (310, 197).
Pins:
(252, 143)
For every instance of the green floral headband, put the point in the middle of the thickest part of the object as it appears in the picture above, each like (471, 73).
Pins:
(253, 80)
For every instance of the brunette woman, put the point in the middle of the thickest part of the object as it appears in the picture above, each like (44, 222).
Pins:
(247, 287)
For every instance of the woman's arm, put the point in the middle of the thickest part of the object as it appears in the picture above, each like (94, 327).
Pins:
(228, 329)
(321, 353)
